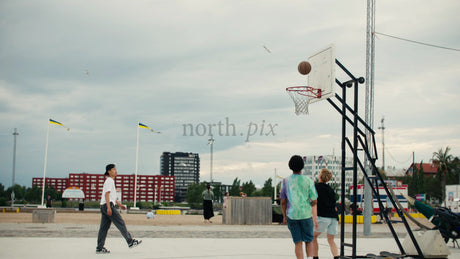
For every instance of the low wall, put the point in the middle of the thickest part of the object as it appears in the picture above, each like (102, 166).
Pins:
(248, 211)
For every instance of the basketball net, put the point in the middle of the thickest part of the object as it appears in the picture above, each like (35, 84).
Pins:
(302, 96)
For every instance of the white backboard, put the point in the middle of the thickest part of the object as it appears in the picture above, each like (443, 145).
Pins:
(322, 74)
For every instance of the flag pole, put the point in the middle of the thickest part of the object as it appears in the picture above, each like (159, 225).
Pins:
(135, 173)
(44, 167)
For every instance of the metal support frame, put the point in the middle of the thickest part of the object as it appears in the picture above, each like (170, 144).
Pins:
(359, 142)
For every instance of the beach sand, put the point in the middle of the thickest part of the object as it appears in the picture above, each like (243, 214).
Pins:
(94, 218)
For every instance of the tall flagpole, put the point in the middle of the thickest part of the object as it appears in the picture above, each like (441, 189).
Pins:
(135, 173)
(139, 125)
(44, 167)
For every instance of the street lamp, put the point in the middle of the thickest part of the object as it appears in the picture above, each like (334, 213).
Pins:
(15, 134)
(211, 143)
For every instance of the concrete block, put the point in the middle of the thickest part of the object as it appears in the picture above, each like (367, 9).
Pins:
(43, 216)
(430, 242)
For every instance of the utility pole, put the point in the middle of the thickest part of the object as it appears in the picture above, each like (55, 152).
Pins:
(369, 112)
(15, 134)
(383, 142)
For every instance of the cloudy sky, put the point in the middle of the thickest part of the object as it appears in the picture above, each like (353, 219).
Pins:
(100, 68)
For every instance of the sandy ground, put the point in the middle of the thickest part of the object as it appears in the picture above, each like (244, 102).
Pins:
(93, 218)
(130, 219)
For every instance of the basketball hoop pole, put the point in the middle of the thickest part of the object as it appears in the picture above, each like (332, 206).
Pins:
(355, 144)
(321, 81)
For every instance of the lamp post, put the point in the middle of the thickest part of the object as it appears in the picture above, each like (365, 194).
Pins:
(211, 143)
(15, 134)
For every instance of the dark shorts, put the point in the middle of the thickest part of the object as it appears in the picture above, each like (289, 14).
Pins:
(301, 230)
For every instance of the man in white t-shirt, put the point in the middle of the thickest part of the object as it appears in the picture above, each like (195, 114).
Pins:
(110, 214)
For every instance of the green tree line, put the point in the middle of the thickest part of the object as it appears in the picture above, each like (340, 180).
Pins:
(195, 191)
(24, 195)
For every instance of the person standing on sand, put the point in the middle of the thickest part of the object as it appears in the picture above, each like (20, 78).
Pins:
(208, 196)
(49, 201)
(110, 214)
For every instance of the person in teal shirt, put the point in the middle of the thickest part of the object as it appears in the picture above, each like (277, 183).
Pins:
(298, 203)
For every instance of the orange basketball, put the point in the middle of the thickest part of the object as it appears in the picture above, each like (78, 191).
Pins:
(304, 68)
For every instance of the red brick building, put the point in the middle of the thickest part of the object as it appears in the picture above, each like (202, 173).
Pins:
(60, 184)
(150, 188)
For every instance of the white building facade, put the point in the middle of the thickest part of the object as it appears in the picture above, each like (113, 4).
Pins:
(314, 164)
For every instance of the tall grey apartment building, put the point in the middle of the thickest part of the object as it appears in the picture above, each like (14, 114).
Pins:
(185, 167)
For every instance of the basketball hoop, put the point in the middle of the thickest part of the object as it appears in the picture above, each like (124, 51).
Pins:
(302, 96)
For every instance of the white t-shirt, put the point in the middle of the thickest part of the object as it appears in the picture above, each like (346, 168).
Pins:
(109, 186)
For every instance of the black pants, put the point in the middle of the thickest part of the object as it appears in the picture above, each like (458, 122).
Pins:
(106, 221)
(207, 209)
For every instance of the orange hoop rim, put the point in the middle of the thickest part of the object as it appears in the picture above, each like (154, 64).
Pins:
(305, 91)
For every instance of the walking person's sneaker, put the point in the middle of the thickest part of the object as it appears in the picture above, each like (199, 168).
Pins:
(102, 251)
(134, 243)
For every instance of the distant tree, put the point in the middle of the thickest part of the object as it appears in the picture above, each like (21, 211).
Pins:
(194, 192)
(53, 193)
(249, 188)
(268, 189)
(258, 193)
(454, 176)
(19, 192)
(2, 190)
(3, 199)
(235, 189)
(416, 181)
(217, 192)
(433, 192)
(33, 195)
(444, 161)
(420, 181)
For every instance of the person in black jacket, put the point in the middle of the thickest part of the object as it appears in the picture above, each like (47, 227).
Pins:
(327, 213)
